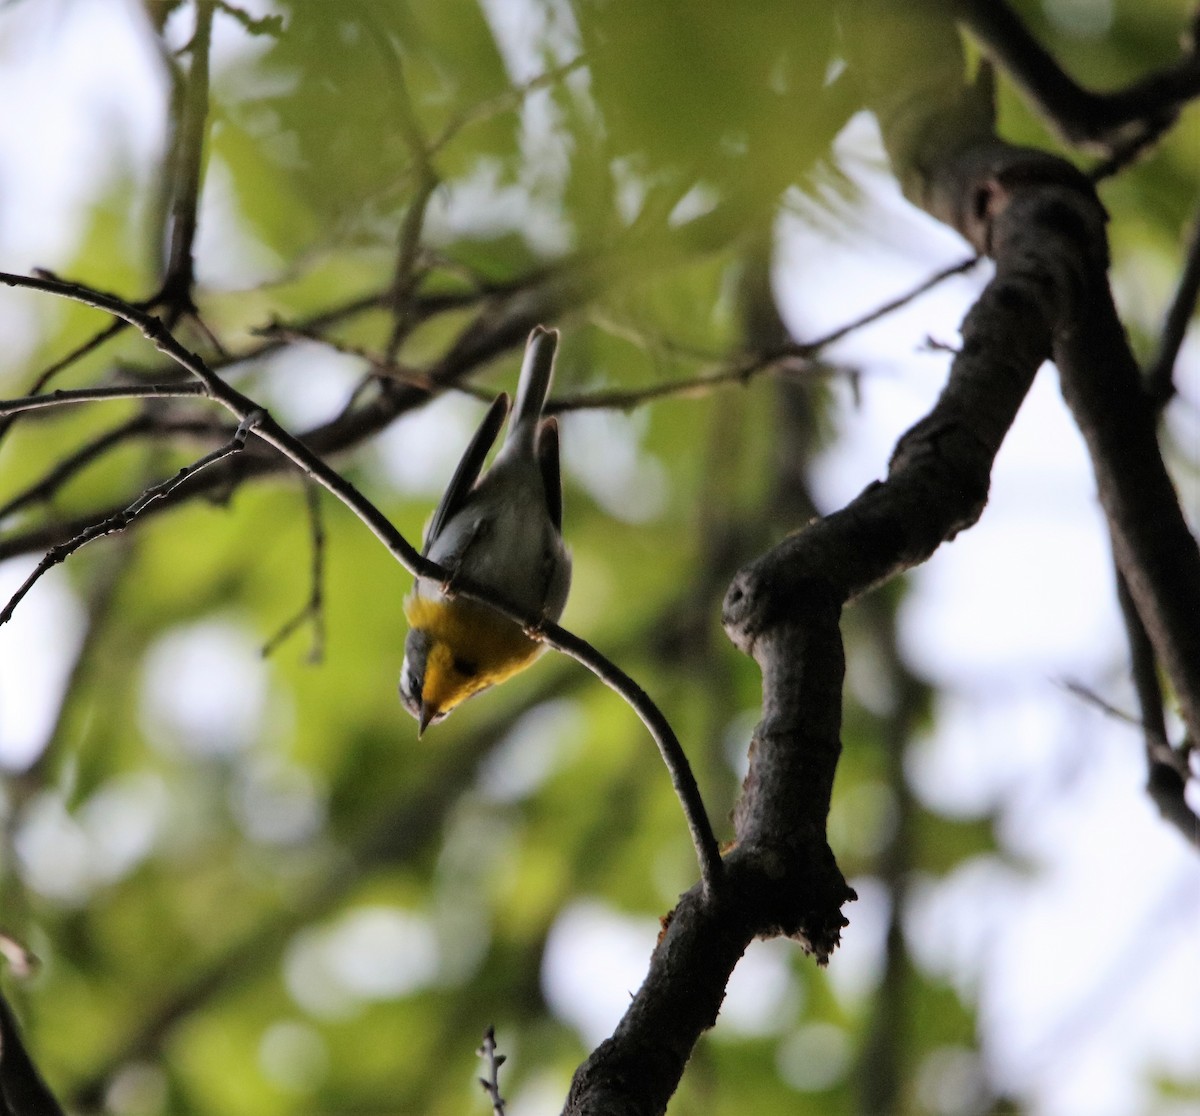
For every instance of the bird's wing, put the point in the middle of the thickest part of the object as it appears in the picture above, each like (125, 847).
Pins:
(467, 473)
(547, 454)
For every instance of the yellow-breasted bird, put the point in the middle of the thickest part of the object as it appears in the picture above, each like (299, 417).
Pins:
(502, 530)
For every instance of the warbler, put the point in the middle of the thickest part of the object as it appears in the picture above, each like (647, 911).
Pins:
(502, 530)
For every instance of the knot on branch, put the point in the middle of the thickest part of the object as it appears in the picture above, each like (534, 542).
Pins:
(786, 586)
(795, 890)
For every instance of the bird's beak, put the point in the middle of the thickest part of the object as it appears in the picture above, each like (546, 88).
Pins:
(428, 712)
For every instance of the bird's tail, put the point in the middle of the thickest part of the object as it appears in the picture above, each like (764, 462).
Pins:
(536, 373)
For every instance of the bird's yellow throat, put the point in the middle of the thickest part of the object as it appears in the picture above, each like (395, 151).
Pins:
(466, 634)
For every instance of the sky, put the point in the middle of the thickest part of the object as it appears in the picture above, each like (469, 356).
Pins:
(1086, 959)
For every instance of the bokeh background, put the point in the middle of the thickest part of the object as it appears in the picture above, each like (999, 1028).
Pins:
(253, 890)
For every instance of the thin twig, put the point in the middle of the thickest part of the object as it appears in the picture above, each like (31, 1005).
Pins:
(270, 26)
(314, 607)
(406, 275)
(809, 348)
(1167, 767)
(67, 467)
(784, 358)
(493, 1061)
(381, 366)
(1090, 697)
(1160, 373)
(116, 523)
(504, 102)
(186, 171)
(94, 395)
(86, 348)
(741, 371)
(63, 363)
(708, 852)
(251, 416)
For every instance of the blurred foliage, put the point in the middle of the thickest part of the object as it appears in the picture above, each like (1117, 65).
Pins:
(253, 890)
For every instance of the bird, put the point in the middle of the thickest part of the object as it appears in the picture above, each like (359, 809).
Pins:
(501, 531)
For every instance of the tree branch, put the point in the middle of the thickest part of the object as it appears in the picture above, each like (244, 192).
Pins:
(492, 1061)
(1040, 213)
(313, 608)
(114, 524)
(94, 395)
(143, 425)
(1160, 373)
(1040, 221)
(1109, 122)
(399, 833)
(252, 417)
(1155, 552)
(186, 171)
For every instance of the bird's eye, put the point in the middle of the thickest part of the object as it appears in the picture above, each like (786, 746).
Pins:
(411, 684)
(466, 667)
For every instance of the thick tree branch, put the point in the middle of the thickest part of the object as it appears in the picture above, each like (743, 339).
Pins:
(1040, 221)
(1039, 215)
(1155, 552)
(1110, 122)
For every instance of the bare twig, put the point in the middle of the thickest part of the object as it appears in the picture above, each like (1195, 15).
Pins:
(271, 26)
(1160, 373)
(406, 275)
(95, 395)
(381, 366)
(186, 170)
(1086, 694)
(505, 101)
(313, 609)
(78, 353)
(251, 416)
(116, 523)
(1115, 122)
(707, 850)
(788, 358)
(63, 363)
(891, 306)
(492, 1060)
(1168, 772)
(67, 467)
